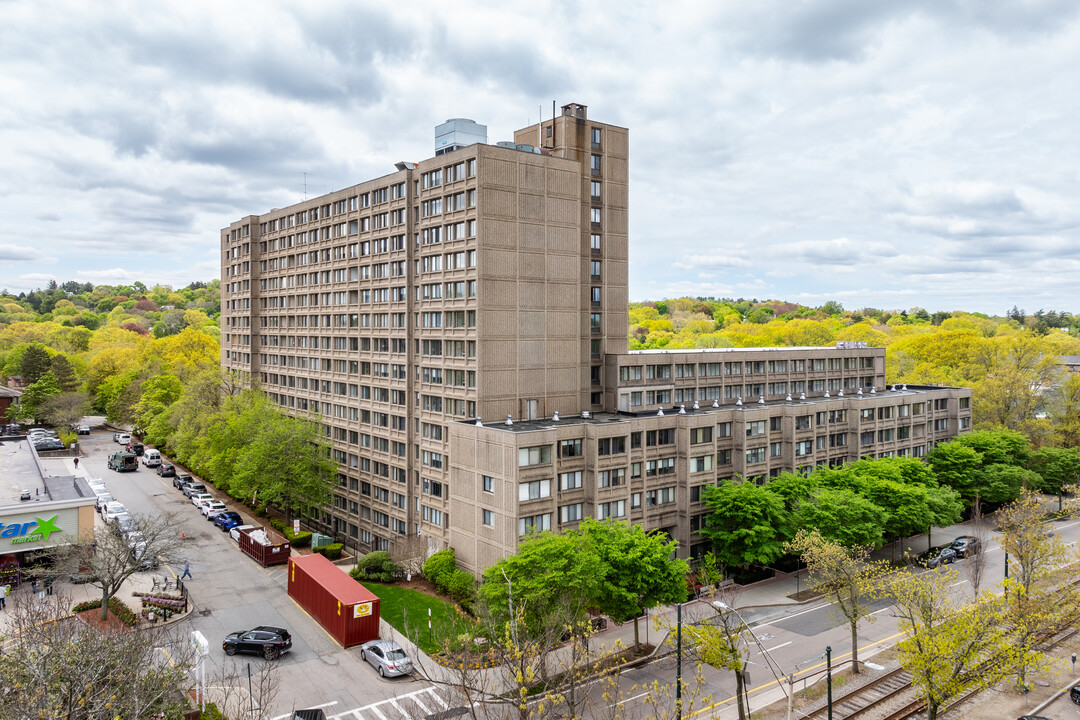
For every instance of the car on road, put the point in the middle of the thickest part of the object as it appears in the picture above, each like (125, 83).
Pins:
(96, 484)
(387, 657)
(136, 447)
(166, 470)
(192, 489)
(82, 429)
(180, 480)
(934, 557)
(200, 499)
(966, 545)
(112, 510)
(212, 509)
(1074, 694)
(265, 640)
(227, 520)
(151, 458)
(122, 438)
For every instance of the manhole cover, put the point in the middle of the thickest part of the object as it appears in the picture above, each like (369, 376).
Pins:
(205, 613)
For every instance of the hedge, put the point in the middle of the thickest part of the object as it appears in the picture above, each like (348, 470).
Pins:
(332, 551)
(440, 568)
(376, 566)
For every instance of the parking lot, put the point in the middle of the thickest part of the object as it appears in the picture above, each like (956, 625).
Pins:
(231, 592)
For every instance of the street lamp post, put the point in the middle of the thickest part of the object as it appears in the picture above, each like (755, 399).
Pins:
(769, 659)
(828, 676)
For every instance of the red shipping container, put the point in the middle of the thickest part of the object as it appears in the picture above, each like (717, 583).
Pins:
(345, 608)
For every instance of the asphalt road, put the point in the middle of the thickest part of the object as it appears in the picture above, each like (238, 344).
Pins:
(231, 592)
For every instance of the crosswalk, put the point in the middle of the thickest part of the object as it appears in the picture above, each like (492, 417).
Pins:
(416, 705)
(413, 706)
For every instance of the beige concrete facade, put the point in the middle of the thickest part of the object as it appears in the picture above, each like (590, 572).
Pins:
(491, 281)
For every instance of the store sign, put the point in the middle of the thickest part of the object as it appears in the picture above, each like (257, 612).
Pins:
(36, 528)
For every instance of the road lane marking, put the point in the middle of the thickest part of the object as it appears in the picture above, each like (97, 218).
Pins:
(313, 707)
(778, 646)
(958, 583)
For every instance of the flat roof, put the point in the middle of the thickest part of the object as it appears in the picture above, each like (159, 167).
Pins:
(606, 418)
(18, 472)
(770, 348)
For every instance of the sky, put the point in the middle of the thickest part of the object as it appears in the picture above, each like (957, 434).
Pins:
(881, 154)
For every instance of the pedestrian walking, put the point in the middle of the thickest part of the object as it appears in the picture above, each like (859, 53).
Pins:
(187, 572)
(3, 596)
(48, 585)
(76, 463)
(33, 586)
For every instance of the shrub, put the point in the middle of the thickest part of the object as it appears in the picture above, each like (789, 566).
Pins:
(116, 607)
(331, 551)
(377, 567)
(461, 585)
(212, 712)
(300, 539)
(278, 525)
(440, 567)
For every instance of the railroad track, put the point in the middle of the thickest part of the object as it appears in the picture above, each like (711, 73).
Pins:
(868, 697)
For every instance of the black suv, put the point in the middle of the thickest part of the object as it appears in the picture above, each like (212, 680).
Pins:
(966, 545)
(166, 470)
(264, 640)
(1074, 694)
(936, 556)
(179, 481)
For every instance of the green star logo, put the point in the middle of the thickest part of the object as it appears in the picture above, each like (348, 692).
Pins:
(46, 527)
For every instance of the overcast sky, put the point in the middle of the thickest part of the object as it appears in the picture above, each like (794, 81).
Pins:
(879, 153)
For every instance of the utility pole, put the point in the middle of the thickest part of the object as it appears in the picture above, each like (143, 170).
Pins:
(828, 676)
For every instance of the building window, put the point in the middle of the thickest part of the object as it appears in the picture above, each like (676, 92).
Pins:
(614, 509)
(489, 518)
(594, 215)
(805, 447)
(540, 455)
(594, 268)
(701, 464)
(595, 187)
(570, 480)
(534, 523)
(611, 446)
(596, 295)
(596, 137)
(776, 449)
(723, 430)
(570, 448)
(570, 513)
(700, 435)
(594, 164)
(594, 242)
(534, 490)
(489, 484)
(755, 455)
(723, 457)
(755, 429)
(635, 501)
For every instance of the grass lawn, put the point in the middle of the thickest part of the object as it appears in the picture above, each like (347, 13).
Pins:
(397, 603)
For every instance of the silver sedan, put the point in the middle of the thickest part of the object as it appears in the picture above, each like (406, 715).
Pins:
(387, 657)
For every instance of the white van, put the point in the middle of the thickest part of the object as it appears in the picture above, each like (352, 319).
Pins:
(151, 458)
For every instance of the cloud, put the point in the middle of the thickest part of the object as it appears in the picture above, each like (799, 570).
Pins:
(19, 253)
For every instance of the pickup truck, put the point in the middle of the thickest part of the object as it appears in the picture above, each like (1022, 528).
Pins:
(123, 461)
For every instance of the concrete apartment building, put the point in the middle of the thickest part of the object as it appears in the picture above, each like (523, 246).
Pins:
(419, 312)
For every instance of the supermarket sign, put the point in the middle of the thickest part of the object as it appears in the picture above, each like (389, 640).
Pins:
(35, 529)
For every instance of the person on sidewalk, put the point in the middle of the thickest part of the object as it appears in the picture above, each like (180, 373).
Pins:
(3, 596)
(187, 572)
(76, 463)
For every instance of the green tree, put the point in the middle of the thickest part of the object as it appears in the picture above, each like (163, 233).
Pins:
(842, 516)
(998, 446)
(747, 524)
(34, 397)
(639, 570)
(65, 373)
(956, 466)
(35, 363)
(551, 579)
(1058, 467)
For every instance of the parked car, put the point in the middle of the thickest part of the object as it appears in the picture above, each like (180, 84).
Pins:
(125, 524)
(122, 438)
(387, 657)
(48, 443)
(136, 447)
(227, 520)
(180, 480)
(112, 510)
(199, 499)
(82, 429)
(934, 557)
(966, 545)
(235, 530)
(95, 484)
(192, 489)
(116, 436)
(270, 642)
(137, 542)
(103, 499)
(166, 470)
(151, 458)
(1074, 694)
(212, 509)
